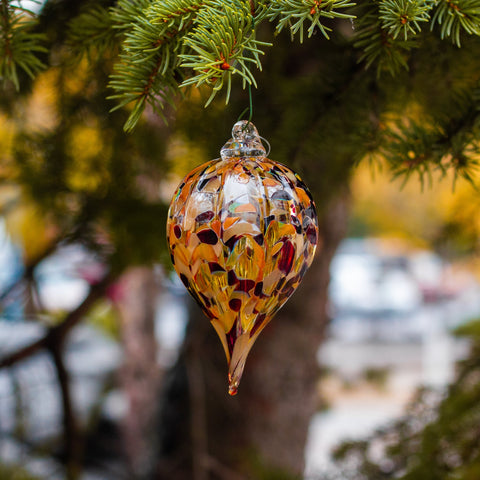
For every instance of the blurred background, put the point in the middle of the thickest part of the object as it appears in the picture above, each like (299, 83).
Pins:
(394, 305)
(109, 371)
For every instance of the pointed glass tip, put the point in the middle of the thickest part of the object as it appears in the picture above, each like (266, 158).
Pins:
(241, 347)
(234, 381)
(233, 387)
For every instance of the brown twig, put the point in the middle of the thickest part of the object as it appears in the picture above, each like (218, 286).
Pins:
(57, 333)
(71, 432)
(28, 270)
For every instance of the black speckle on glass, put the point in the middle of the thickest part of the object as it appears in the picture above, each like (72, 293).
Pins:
(281, 195)
(235, 304)
(202, 183)
(204, 217)
(230, 243)
(215, 267)
(245, 286)
(296, 223)
(267, 221)
(208, 236)
(206, 301)
(231, 277)
(184, 280)
(311, 234)
(259, 239)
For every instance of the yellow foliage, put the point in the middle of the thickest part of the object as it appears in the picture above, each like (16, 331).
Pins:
(30, 230)
(42, 103)
(183, 156)
(7, 132)
(416, 214)
(90, 156)
(75, 82)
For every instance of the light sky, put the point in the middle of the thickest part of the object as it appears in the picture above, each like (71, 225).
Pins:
(33, 5)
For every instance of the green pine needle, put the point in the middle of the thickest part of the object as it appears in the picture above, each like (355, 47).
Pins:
(379, 46)
(172, 44)
(221, 44)
(296, 13)
(404, 16)
(455, 16)
(19, 47)
(91, 33)
(148, 69)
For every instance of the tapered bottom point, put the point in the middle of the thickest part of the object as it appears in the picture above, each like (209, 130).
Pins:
(232, 385)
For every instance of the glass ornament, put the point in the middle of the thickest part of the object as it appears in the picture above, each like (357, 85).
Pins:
(242, 231)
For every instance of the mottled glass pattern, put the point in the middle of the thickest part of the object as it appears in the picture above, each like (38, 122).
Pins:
(242, 232)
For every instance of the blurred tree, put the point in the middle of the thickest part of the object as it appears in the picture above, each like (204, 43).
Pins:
(436, 440)
(416, 109)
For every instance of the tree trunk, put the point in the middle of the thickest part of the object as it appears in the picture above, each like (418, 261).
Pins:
(263, 430)
(140, 374)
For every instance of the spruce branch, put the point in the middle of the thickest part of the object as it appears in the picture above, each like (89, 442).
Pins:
(455, 16)
(172, 44)
(404, 16)
(296, 13)
(411, 147)
(19, 46)
(379, 45)
(173, 10)
(148, 69)
(92, 32)
(460, 141)
(221, 44)
(125, 13)
(178, 43)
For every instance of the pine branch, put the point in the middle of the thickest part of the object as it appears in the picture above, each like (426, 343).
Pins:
(126, 12)
(404, 16)
(455, 16)
(410, 148)
(462, 148)
(173, 44)
(92, 33)
(221, 44)
(148, 69)
(170, 11)
(413, 148)
(19, 46)
(296, 13)
(378, 43)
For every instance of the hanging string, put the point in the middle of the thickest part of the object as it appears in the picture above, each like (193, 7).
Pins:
(250, 102)
(250, 106)
(269, 147)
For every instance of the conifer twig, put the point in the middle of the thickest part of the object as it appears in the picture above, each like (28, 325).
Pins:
(19, 46)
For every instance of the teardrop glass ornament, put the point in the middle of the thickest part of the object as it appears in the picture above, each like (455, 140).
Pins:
(242, 231)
